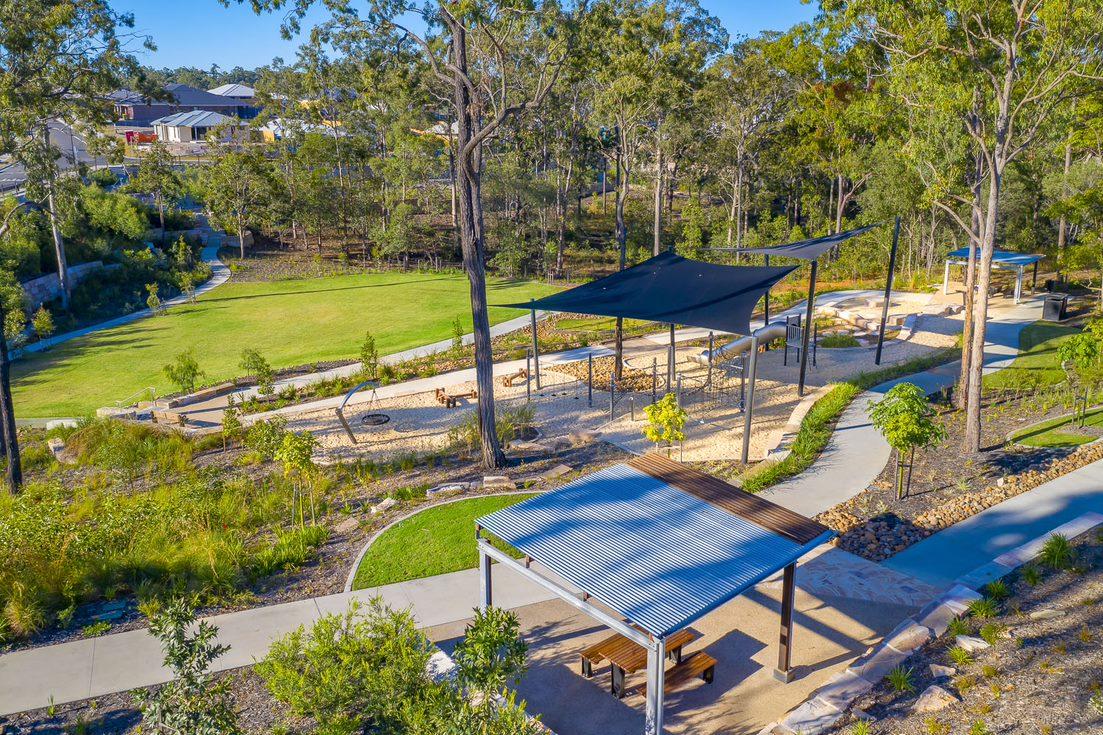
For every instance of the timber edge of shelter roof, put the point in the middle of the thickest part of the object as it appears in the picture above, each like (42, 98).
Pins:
(734, 500)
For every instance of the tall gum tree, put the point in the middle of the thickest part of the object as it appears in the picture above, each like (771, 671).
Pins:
(1002, 69)
(497, 61)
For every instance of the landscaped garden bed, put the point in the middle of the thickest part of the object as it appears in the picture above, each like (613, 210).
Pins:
(946, 487)
(1025, 659)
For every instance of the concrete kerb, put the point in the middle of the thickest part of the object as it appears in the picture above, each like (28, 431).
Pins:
(828, 704)
(421, 508)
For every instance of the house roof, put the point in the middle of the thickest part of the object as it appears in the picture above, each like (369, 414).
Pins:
(234, 90)
(674, 290)
(1002, 257)
(194, 119)
(181, 94)
(658, 542)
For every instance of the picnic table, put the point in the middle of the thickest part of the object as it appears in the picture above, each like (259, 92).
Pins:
(627, 657)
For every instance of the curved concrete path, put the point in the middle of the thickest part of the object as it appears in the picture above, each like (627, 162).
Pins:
(856, 452)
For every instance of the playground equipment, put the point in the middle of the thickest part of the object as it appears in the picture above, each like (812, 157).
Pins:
(508, 381)
(340, 410)
(452, 400)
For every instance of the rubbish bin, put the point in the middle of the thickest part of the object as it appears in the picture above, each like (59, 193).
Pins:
(1055, 307)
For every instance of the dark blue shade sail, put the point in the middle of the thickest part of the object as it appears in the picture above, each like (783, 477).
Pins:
(674, 290)
(808, 249)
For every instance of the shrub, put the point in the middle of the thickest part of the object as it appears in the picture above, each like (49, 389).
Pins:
(153, 301)
(130, 450)
(192, 703)
(253, 363)
(43, 323)
(836, 341)
(369, 357)
(184, 371)
(1058, 552)
(997, 590)
(984, 608)
(351, 671)
(666, 421)
(492, 655)
(991, 633)
(960, 656)
(1031, 574)
(266, 437)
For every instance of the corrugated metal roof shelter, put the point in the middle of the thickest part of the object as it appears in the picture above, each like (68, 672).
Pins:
(658, 542)
(1000, 259)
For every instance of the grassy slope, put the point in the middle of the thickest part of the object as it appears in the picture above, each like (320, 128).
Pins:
(291, 322)
(435, 541)
(1037, 363)
(1059, 432)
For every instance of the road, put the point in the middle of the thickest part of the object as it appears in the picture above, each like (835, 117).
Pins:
(71, 145)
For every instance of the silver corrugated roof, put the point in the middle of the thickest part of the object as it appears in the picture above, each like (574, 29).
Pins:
(193, 119)
(656, 554)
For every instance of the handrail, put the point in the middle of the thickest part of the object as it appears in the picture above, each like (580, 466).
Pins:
(126, 401)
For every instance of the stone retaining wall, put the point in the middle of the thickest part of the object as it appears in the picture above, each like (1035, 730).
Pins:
(48, 287)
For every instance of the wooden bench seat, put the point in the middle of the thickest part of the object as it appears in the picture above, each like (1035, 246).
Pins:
(698, 665)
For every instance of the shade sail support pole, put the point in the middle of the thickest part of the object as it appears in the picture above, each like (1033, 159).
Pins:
(535, 346)
(888, 291)
(946, 279)
(486, 582)
(766, 301)
(749, 412)
(670, 362)
(784, 671)
(807, 331)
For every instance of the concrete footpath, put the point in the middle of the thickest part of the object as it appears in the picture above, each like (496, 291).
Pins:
(856, 452)
(943, 557)
(70, 672)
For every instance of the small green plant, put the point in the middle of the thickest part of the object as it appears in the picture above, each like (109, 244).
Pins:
(492, 654)
(984, 608)
(960, 656)
(666, 421)
(901, 679)
(934, 726)
(964, 683)
(989, 671)
(991, 633)
(1085, 635)
(457, 335)
(231, 423)
(861, 727)
(1057, 552)
(95, 629)
(266, 437)
(837, 340)
(959, 626)
(369, 357)
(979, 727)
(43, 323)
(1096, 702)
(1031, 574)
(184, 371)
(904, 418)
(153, 301)
(192, 702)
(254, 363)
(997, 590)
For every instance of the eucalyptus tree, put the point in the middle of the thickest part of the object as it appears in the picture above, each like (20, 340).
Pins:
(157, 176)
(745, 98)
(496, 61)
(1000, 69)
(239, 187)
(59, 59)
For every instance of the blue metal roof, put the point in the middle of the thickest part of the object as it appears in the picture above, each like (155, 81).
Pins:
(646, 549)
(1003, 257)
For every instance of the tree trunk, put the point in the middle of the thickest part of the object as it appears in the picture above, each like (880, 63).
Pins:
(657, 240)
(469, 196)
(7, 417)
(241, 241)
(59, 248)
(840, 205)
(976, 236)
(1062, 223)
(971, 443)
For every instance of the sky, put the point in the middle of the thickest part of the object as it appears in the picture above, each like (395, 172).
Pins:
(202, 32)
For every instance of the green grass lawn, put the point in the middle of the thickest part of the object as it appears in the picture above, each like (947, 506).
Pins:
(1059, 432)
(291, 322)
(1037, 364)
(435, 541)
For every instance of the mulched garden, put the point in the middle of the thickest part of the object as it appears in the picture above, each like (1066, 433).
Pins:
(1035, 668)
(947, 488)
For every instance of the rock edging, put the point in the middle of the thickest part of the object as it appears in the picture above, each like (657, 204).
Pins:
(828, 704)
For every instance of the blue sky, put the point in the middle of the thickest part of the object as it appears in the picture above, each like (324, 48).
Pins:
(203, 32)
